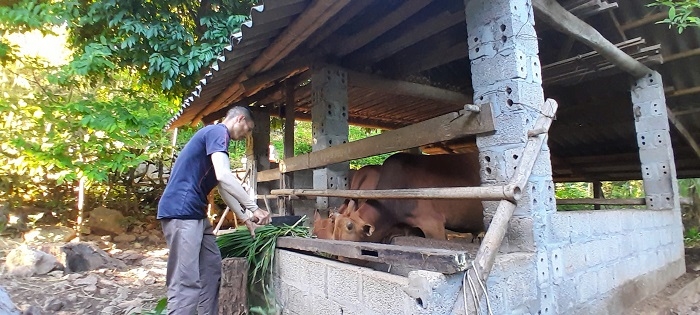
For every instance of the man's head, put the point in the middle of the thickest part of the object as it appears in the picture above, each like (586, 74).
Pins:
(239, 122)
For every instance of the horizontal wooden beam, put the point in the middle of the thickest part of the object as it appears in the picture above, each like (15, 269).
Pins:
(688, 91)
(269, 175)
(421, 258)
(601, 201)
(377, 83)
(481, 193)
(442, 128)
(682, 55)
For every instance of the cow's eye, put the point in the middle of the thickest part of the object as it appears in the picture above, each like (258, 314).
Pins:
(349, 226)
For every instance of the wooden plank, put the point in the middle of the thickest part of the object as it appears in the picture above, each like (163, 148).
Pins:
(688, 91)
(421, 258)
(601, 201)
(482, 193)
(343, 17)
(268, 175)
(681, 55)
(683, 131)
(377, 83)
(442, 128)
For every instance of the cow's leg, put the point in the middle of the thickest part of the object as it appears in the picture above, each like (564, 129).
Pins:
(431, 223)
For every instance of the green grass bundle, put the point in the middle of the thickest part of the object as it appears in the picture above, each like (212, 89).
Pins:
(259, 251)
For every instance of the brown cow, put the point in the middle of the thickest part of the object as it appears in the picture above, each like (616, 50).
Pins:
(364, 178)
(376, 220)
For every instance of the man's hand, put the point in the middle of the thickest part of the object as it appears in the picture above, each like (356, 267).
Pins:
(262, 217)
(251, 226)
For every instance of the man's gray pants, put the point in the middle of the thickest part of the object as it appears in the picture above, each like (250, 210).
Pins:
(194, 267)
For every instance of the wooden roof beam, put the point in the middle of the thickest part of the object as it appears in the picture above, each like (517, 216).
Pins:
(344, 46)
(683, 131)
(417, 33)
(651, 18)
(374, 82)
(311, 19)
(561, 19)
(343, 17)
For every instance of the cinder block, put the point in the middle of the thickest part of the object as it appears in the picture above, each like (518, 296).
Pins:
(383, 293)
(557, 260)
(587, 286)
(594, 254)
(606, 280)
(581, 226)
(431, 292)
(297, 301)
(567, 295)
(560, 227)
(574, 259)
(520, 234)
(322, 305)
(542, 264)
(288, 265)
(316, 277)
(345, 284)
(547, 299)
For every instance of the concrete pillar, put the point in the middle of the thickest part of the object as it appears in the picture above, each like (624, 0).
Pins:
(654, 141)
(506, 72)
(329, 117)
(258, 151)
(656, 152)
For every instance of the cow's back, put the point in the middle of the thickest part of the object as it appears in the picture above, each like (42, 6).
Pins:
(403, 171)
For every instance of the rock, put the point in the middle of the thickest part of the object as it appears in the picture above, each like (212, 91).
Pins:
(73, 276)
(6, 305)
(142, 238)
(105, 221)
(24, 261)
(85, 230)
(90, 288)
(149, 280)
(104, 291)
(86, 256)
(53, 304)
(124, 238)
(54, 249)
(137, 245)
(56, 274)
(137, 230)
(89, 280)
(32, 310)
(154, 239)
(109, 310)
(73, 297)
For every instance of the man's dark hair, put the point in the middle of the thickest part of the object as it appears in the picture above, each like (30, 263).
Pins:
(240, 110)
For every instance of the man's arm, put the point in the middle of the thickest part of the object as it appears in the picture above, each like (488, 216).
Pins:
(229, 183)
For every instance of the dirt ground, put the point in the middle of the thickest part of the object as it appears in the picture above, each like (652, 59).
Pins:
(104, 291)
(681, 297)
(139, 287)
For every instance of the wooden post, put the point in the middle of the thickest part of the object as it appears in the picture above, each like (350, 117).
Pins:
(597, 192)
(258, 151)
(233, 291)
(287, 179)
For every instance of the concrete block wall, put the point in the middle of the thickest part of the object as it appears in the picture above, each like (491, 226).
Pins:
(603, 261)
(306, 284)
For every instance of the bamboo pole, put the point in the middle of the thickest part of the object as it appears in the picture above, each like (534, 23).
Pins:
(507, 192)
(486, 255)
(601, 201)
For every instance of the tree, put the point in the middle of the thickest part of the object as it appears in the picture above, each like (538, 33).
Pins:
(681, 13)
(167, 45)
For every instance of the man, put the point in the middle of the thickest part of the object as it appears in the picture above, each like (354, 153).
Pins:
(194, 260)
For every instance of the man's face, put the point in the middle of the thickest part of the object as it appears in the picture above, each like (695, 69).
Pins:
(241, 128)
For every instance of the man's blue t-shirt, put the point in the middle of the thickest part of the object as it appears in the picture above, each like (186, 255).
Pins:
(193, 176)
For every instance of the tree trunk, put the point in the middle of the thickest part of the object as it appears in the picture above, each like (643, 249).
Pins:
(233, 292)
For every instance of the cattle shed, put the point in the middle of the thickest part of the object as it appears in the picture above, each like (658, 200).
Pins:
(450, 76)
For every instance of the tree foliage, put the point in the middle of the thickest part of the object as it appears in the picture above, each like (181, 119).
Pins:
(167, 45)
(681, 13)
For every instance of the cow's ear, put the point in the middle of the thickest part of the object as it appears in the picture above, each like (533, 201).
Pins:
(368, 229)
(317, 215)
(352, 205)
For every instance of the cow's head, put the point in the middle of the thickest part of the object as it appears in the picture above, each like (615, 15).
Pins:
(355, 224)
(323, 227)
